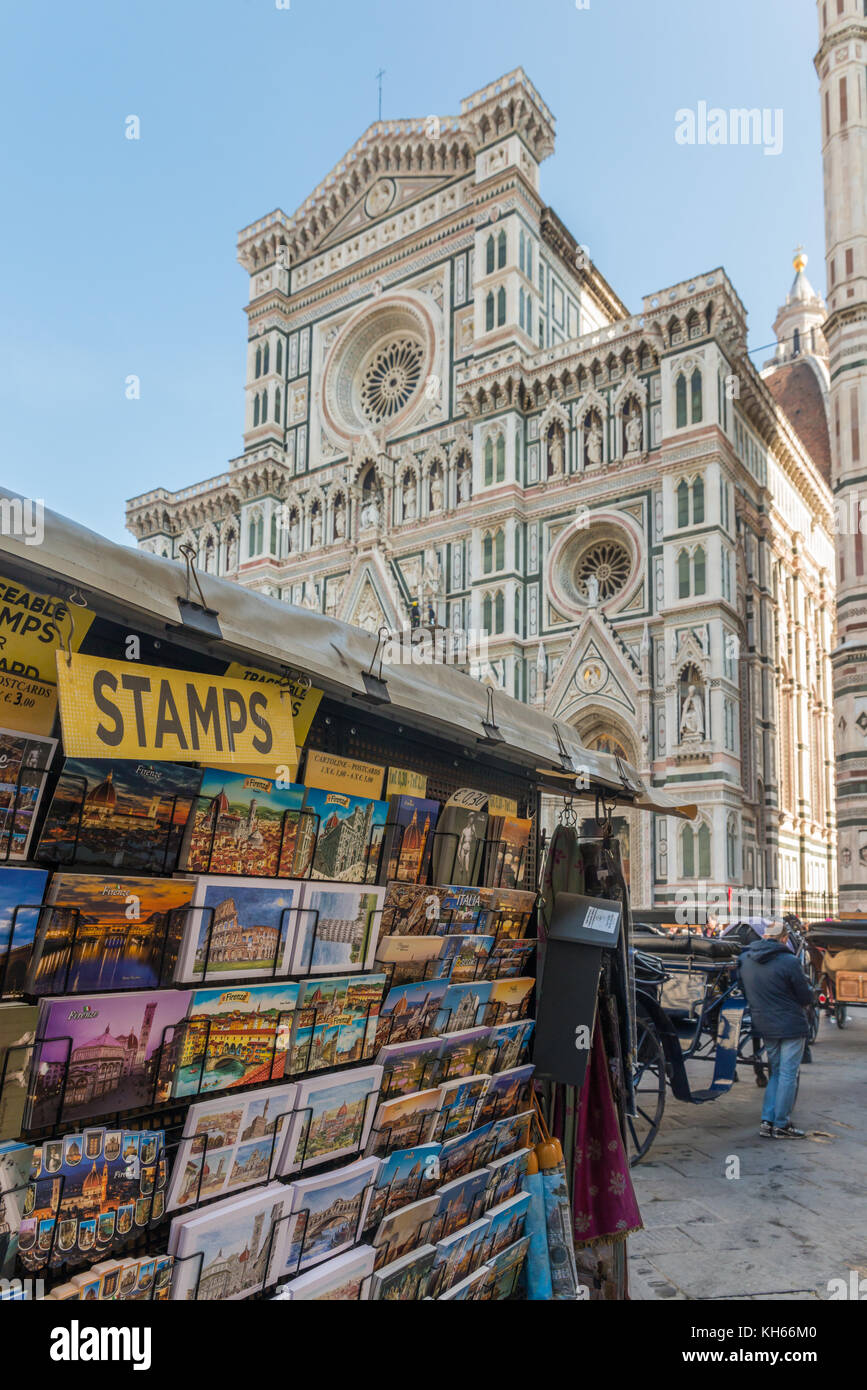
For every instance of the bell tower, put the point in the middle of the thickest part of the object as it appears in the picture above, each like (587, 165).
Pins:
(841, 64)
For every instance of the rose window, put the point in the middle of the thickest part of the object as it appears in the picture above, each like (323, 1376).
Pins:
(608, 563)
(391, 378)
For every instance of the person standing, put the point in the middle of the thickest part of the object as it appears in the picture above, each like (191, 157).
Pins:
(779, 995)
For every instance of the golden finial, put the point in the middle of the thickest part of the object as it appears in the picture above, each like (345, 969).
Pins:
(800, 259)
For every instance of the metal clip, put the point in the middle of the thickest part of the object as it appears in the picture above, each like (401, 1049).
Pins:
(489, 722)
(567, 762)
(375, 686)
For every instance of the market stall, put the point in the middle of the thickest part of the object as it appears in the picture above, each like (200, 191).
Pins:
(268, 951)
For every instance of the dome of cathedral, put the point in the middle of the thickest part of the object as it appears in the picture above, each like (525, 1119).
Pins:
(104, 794)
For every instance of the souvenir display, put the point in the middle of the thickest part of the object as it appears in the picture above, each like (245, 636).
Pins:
(335, 1022)
(404, 1279)
(344, 1278)
(244, 825)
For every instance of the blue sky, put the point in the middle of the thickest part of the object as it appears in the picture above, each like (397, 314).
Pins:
(119, 255)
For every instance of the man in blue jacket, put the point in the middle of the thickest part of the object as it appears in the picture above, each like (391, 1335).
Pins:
(778, 995)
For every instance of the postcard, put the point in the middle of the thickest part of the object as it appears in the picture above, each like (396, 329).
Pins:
(337, 929)
(412, 909)
(105, 933)
(235, 1036)
(508, 912)
(465, 958)
(509, 1134)
(336, 1021)
(231, 1249)
(244, 928)
(410, 1011)
(409, 959)
(503, 1270)
(460, 841)
(229, 1144)
(508, 843)
(505, 1093)
(344, 1278)
(403, 1280)
(463, 910)
(15, 1164)
(333, 1116)
(508, 999)
(403, 1122)
(510, 1044)
(466, 1152)
(104, 1053)
(404, 1229)
(18, 1023)
(341, 837)
(459, 1102)
(460, 1201)
(457, 1256)
(409, 1066)
(405, 1176)
(328, 1214)
(21, 893)
(24, 763)
(123, 816)
(463, 1052)
(243, 825)
(509, 959)
(471, 1288)
(505, 1223)
(463, 1006)
(506, 1176)
(409, 838)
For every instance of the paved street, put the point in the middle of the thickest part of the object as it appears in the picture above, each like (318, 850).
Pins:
(796, 1216)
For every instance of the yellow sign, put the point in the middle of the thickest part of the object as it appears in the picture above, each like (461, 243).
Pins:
(122, 709)
(502, 806)
(305, 698)
(402, 782)
(332, 774)
(33, 626)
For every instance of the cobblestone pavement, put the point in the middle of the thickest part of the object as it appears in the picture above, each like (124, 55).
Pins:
(795, 1217)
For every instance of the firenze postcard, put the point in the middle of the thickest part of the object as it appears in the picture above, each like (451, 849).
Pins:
(230, 1144)
(243, 825)
(338, 926)
(21, 893)
(341, 837)
(243, 929)
(104, 933)
(232, 1248)
(24, 763)
(126, 816)
(333, 1116)
(409, 838)
(328, 1213)
(236, 1036)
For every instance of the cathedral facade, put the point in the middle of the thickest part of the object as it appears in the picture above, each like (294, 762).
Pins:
(450, 412)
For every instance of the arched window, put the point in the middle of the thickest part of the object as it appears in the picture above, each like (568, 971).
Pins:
(489, 311)
(279, 356)
(487, 554)
(703, 852)
(251, 536)
(796, 342)
(489, 461)
(256, 409)
(680, 400)
(489, 256)
(487, 613)
(695, 387)
(529, 259)
(698, 568)
(264, 415)
(274, 533)
(501, 305)
(259, 361)
(687, 843)
(697, 502)
(731, 849)
(521, 244)
(683, 503)
(499, 550)
(278, 401)
(499, 612)
(265, 359)
(501, 250)
(683, 575)
(501, 459)
(521, 306)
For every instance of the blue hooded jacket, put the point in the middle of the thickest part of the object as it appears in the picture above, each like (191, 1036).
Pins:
(776, 988)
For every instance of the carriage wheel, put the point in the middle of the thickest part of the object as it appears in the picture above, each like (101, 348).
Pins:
(841, 1015)
(648, 1078)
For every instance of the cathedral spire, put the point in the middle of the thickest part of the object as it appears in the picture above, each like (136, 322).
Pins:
(798, 325)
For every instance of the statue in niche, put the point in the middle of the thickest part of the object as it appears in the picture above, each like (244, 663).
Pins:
(316, 530)
(409, 502)
(232, 552)
(592, 591)
(370, 512)
(555, 451)
(465, 485)
(339, 520)
(294, 531)
(633, 434)
(692, 718)
(436, 491)
(593, 441)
